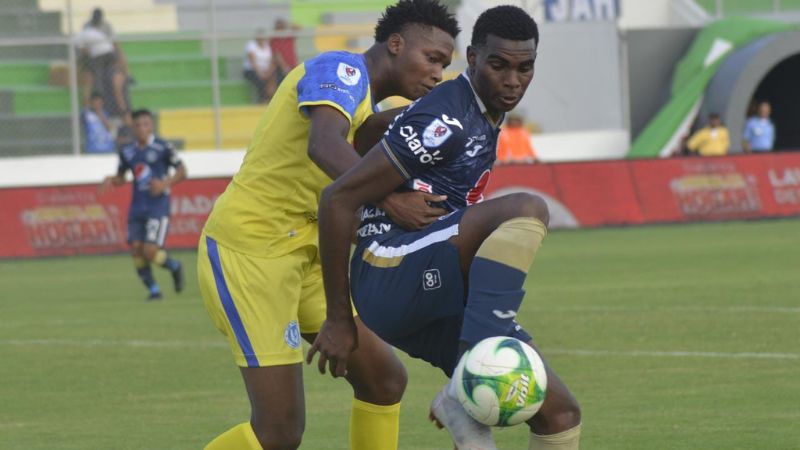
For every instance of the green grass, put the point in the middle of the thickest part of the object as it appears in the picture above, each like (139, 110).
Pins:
(87, 364)
(748, 6)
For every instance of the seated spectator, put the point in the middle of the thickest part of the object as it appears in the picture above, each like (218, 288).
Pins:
(283, 48)
(98, 129)
(711, 140)
(514, 143)
(759, 132)
(260, 67)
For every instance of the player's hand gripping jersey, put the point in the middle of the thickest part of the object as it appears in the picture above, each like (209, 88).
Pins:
(146, 164)
(270, 206)
(443, 144)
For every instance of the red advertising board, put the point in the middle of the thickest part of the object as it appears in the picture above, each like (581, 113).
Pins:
(68, 220)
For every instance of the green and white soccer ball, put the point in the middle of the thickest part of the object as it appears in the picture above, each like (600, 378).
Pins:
(501, 381)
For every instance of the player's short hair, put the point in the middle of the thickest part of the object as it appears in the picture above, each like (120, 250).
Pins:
(95, 94)
(421, 12)
(713, 116)
(141, 113)
(506, 22)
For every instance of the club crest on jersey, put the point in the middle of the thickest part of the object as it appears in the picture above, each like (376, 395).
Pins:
(348, 74)
(435, 134)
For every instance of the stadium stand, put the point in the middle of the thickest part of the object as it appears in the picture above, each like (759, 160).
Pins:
(126, 16)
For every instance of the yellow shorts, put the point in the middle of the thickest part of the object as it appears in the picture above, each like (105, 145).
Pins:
(262, 305)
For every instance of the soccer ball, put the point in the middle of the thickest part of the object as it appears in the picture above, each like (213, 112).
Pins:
(501, 381)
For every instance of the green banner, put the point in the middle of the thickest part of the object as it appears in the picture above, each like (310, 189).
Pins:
(709, 49)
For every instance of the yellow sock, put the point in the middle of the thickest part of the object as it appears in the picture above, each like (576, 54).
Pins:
(566, 440)
(240, 437)
(374, 427)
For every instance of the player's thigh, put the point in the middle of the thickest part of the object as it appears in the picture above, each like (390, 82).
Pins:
(277, 401)
(253, 302)
(407, 281)
(137, 249)
(480, 220)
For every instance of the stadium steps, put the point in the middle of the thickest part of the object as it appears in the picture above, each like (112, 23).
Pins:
(28, 23)
(235, 15)
(21, 73)
(50, 100)
(195, 127)
(125, 16)
(35, 135)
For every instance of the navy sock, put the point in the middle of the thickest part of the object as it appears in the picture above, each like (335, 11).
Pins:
(146, 275)
(495, 294)
(171, 264)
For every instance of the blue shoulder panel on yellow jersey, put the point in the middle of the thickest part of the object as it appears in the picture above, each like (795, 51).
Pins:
(336, 78)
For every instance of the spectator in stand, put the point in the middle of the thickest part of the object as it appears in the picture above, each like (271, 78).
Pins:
(105, 68)
(260, 67)
(514, 143)
(759, 132)
(282, 47)
(711, 140)
(99, 131)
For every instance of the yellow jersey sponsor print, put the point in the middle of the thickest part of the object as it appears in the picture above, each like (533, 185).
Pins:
(270, 206)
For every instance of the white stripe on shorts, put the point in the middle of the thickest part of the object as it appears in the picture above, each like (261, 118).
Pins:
(405, 249)
(162, 232)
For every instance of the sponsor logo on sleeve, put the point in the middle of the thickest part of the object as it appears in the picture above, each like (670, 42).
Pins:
(348, 74)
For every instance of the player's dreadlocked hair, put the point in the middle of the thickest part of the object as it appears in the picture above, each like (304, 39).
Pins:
(507, 22)
(422, 12)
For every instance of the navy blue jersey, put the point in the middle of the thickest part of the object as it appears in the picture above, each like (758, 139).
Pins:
(147, 163)
(444, 143)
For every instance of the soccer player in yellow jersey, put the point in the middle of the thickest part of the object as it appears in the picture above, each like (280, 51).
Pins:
(258, 262)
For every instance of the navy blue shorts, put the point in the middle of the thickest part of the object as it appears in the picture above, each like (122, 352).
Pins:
(148, 229)
(407, 287)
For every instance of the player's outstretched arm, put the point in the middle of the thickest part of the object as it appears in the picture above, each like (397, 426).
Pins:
(369, 181)
(109, 182)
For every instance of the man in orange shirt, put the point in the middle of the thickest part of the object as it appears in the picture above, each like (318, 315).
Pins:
(514, 143)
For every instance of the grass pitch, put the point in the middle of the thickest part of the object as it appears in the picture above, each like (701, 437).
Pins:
(671, 337)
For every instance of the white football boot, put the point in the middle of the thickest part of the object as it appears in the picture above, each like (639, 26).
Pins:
(467, 433)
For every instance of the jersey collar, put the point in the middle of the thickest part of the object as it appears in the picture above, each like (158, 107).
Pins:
(150, 141)
(481, 106)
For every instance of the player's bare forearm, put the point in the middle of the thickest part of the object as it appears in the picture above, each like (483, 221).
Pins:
(371, 131)
(327, 141)
(368, 182)
(179, 175)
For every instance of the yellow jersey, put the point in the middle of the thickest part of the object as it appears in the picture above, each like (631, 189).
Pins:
(269, 208)
(710, 141)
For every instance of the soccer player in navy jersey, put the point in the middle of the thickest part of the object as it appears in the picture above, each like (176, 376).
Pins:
(436, 292)
(149, 159)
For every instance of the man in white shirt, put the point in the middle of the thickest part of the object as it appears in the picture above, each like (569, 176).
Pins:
(259, 66)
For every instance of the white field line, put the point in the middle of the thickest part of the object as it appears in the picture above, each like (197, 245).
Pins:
(670, 354)
(720, 309)
(90, 343)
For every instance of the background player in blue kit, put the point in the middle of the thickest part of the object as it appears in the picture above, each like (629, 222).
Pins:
(149, 160)
(436, 292)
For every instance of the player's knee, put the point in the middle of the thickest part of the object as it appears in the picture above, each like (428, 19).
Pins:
(150, 252)
(530, 205)
(384, 388)
(565, 414)
(279, 436)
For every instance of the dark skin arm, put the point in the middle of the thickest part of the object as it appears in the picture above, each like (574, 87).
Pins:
(372, 179)
(371, 131)
(329, 149)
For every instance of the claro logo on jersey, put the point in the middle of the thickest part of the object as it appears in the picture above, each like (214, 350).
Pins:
(348, 74)
(416, 147)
